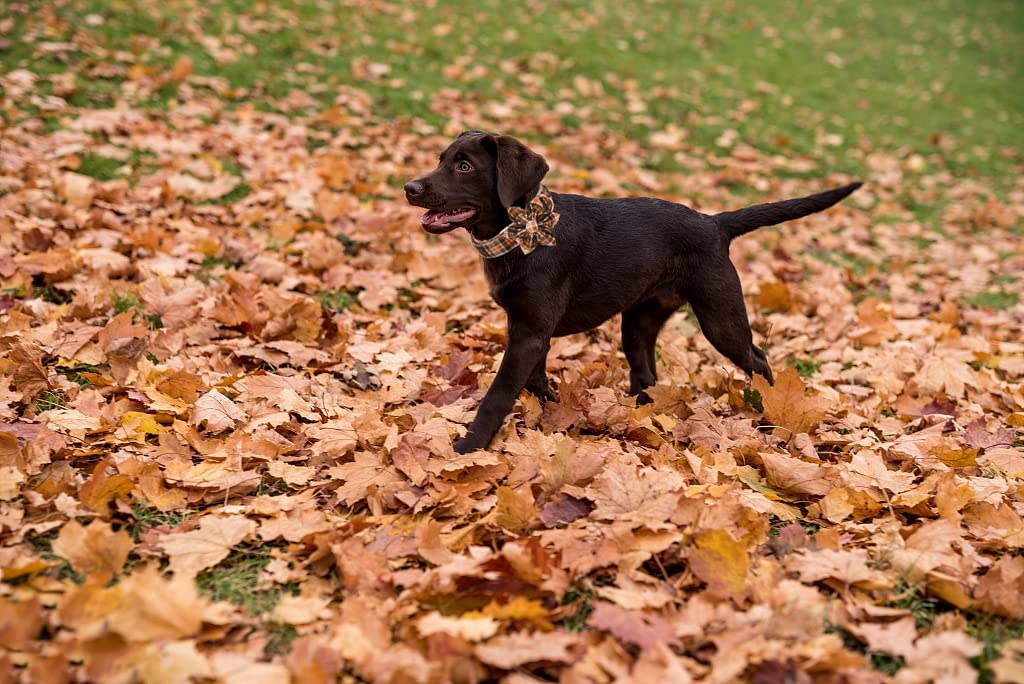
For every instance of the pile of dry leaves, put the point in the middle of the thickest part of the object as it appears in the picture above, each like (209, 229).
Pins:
(243, 349)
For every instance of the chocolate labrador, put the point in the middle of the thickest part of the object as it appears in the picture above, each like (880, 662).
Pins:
(560, 264)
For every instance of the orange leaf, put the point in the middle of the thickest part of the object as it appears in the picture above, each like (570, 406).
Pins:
(786, 404)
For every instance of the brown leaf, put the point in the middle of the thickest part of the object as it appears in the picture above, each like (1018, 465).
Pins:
(93, 549)
(152, 607)
(787, 405)
(998, 590)
(645, 630)
(30, 377)
(20, 623)
(366, 471)
(515, 512)
(209, 544)
(101, 489)
(217, 412)
(514, 650)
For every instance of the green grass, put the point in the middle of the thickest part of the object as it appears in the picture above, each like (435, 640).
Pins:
(1000, 299)
(992, 631)
(337, 300)
(942, 80)
(235, 580)
(147, 518)
(805, 367)
(583, 598)
(51, 400)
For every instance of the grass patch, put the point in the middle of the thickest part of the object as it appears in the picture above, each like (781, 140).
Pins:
(880, 662)
(338, 300)
(583, 597)
(235, 580)
(1000, 300)
(99, 167)
(992, 631)
(147, 518)
(43, 544)
(51, 400)
(212, 268)
(78, 372)
(827, 80)
(753, 397)
(281, 638)
(805, 367)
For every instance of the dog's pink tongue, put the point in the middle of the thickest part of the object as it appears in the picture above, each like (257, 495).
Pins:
(431, 218)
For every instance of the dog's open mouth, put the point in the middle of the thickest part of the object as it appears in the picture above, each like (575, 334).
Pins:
(440, 220)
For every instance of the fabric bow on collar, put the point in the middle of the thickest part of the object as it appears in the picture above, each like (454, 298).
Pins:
(530, 228)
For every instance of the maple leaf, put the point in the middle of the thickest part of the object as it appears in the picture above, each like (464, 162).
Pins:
(217, 412)
(721, 562)
(563, 509)
(942, 658)
(849, 567)
(93, 549)
(101, 489)
(471, 629)
(624, 492)
(367, 470)
(793, 475)
(645, 630)
(30, 377)
(947, 372)
(998, 590)
(209, 544)
(20, 622)
(510, 651)
(1009, 666)
(173, 662)
(151, 607)
(515, 511)
(787, 404)
(895, 638)
(302, 609)
(238, 668)
(312, 660)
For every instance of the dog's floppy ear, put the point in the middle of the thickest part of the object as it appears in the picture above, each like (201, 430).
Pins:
(519, 169)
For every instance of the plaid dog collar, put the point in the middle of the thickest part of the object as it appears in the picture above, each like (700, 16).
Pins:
(530, 228)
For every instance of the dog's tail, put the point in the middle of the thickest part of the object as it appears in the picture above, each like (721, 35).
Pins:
(743, 221)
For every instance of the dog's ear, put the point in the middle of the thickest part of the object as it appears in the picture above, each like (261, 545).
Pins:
(519, 169)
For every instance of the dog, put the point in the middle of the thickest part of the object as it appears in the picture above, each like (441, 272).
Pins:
(568, 263)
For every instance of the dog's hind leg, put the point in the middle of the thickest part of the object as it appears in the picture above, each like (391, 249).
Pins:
(718, 303)
(640, 327)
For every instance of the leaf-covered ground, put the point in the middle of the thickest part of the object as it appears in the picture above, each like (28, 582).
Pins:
(232, 365)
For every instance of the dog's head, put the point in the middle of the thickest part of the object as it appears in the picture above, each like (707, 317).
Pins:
(478, 178)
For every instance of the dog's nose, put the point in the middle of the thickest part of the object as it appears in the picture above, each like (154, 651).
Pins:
(413, 188)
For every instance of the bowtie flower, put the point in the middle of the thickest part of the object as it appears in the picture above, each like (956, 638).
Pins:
(535, 224)
(531, 227)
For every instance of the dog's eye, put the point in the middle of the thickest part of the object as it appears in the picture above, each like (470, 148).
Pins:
(464, 167)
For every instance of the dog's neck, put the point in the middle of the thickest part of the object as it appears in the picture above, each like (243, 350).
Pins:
(499, 218)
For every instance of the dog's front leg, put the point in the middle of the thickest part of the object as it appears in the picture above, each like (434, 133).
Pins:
(527, 347)
(538, 384)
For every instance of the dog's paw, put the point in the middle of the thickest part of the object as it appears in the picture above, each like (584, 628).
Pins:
(545, 393)
(466, 444)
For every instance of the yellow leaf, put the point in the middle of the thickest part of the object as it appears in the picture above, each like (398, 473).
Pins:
(722, 562)
(519, 608)
(141, 424)
(956, 458)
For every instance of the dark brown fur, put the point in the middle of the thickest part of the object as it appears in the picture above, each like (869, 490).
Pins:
(640, 257)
